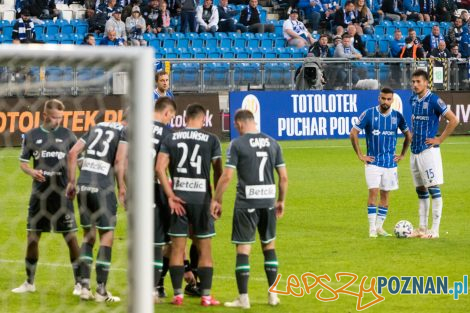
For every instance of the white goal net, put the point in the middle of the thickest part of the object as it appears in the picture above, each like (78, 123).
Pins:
(95, 84)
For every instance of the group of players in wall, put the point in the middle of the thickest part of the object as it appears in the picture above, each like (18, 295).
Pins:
(186, 206)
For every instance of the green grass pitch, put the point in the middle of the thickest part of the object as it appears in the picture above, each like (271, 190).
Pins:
(324, 231)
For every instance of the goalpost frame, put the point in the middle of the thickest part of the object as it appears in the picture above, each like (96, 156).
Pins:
(140, 190)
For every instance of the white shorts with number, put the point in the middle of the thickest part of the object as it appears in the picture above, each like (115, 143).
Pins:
(381, 177)
(426, 168)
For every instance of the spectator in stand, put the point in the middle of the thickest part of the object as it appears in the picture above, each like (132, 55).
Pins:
(107, 8)
(346, 50)
(89, 40)
(151, 13)
(376, 9)
(454, 52)
(454, 35)
(250, 20)
(392, 10)
(411, 50)
(356, 40)
(345, 16)
(227, 22)
(207, 17)
(364, 17)
(441, 52)
(465, 17)
(320, 48)
(188, 15)
(413, 36)
(23, 29)
(111, 39)
(412, 10)
(432, 40)
(464, 45)
(174, 6)
(397, 43)
(117, 25)
(445, 10)
(164, 19)
(295, 31)
(313, 10)
(127, 10)
(40, 9)
(429, 9)
(135, 27)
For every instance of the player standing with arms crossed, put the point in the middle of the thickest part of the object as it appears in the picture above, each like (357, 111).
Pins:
(189, 154)
(255, 156)
(426, 161)
(381, 124)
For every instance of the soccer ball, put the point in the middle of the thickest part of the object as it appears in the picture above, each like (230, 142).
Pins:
(403, 229)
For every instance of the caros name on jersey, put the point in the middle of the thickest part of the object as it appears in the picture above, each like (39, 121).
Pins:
(50, 154)
(191, 135)
(259, 142)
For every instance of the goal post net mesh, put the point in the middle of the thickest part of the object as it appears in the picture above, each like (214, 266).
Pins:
(95, 84)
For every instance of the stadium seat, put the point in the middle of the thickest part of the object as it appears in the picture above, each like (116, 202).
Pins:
(277, 74)
(183, 53)
(253, 43)
(390, 30)
(149, 36)
(371, 47)
(182, 42)
(247, 73)
(268, 53)
(426, 30)
(228, 55)
(267, 43)
(39, 30)
(404, 30)
(384, 47)
(155, 43)
(225, 42)
(239, 42)
(7, 32)
(81, 27)
(211, 42)
(168, 42)
(219, 36)
(299, 53)
(177, 35)
(206, 35)
(279, 43)
(197, 42)
(283, 53)
(241, 53)
(163, 36)
(255, 53)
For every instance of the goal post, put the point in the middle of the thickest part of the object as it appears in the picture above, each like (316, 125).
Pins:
(138, 63)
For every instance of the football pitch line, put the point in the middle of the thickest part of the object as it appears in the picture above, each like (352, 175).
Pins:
(120, 269)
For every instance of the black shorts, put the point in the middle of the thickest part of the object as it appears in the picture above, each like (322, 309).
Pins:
(198, 218)
(162, 218)
(51, 212)
(97, 207)
(245, 222)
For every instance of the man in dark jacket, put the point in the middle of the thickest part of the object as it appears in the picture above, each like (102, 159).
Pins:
(320, 48)
(250, 17)
(226, 21)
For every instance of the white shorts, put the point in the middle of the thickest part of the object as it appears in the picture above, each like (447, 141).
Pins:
(381, 177)
(426, 168)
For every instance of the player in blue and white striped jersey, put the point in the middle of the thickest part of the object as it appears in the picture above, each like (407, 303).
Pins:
(381, 124)
(163, 86)
(426, 162)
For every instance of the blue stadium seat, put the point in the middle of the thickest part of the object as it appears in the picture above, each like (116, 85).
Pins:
(390, 30)
(197, 42)
(247, 73)
(219, 36)
(211, 42)
(268, 53)
(149, 36)
(277, 74)
(7, 32)
(51, 39)
(387, 23)
(371, 47)
(253, 43)
(81, 27)
(183, 53)
(228, 55)
(267, 42)
(426, 30)
(255, 53)
(299, 53)
(404, 30)
(225, 42)
(155, 43)
(283, 53)
(163, 36)
(379, 29)
(206, 35)
(52, 29)
(239, 42)
(279, 43)
(177, 35)
(384, 47)
(241, 53)
(182, 42)
(168, 42)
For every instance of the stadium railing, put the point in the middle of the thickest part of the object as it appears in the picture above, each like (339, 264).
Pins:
(229, 74)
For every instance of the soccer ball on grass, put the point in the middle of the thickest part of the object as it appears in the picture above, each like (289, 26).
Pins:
(403, 229)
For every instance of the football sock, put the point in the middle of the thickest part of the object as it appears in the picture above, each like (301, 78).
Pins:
(242, 273)
(103, 263)
(157, 264)
(205, 275)
(76, 270)
(166, 266)
(86, 259)
(31, 269)
(194, 260)
(423, 197)
(372, 216)
(176, 274)
(436, 196)
(381, 216)
(270, 265)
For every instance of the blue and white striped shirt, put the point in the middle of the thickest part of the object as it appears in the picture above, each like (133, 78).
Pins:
(426, 113)
(157, 95)
(381, 134)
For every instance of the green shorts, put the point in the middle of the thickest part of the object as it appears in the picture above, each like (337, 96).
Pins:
(198, 222)
(246, 221)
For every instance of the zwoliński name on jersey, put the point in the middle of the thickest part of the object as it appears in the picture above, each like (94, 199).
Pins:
(195, 135)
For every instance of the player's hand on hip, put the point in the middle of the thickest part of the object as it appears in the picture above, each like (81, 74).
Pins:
(38, 175)
(279, 209)
(433, 141)
(366, 158)
(70, 191)
(397, 158)
(176, 206)
(216, 209)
